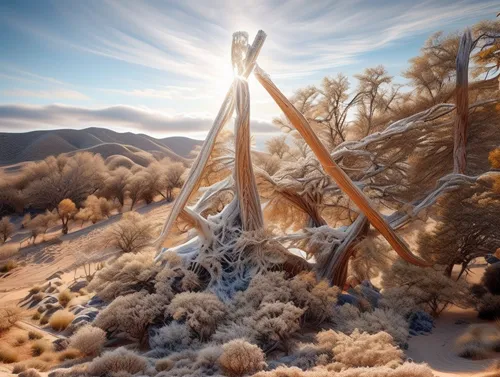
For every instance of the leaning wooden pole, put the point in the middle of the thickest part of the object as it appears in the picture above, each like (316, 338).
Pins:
(462, 98)
(224, 115)
(331, 168)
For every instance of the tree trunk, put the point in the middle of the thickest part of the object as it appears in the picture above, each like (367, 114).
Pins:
(333, 170)
(462, 98)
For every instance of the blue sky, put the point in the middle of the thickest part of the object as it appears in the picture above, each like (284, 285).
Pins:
(163, 67)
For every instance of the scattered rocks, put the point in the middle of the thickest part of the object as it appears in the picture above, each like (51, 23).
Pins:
(78, 285)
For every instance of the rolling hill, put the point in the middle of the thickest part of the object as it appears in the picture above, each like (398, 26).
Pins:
(36, 145)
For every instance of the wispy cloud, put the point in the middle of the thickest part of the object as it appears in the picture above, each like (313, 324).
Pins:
(59, 116)
(191, 38)
(47, 94)
(173, 92)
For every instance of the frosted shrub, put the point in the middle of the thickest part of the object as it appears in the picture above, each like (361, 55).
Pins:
(119, 360)
(276, 322)
(132, 233)
(361, 349)
(88, 340)
(202, 312)
(127, 274)
(131, 315)
(240, 357)
(174, 337)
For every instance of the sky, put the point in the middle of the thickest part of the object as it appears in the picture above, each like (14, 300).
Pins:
(163, 67)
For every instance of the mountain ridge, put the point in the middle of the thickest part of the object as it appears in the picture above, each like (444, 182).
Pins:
(16, 147)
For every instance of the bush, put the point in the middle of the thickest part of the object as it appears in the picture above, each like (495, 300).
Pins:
(6, 229)
(132, 233)
(40, 346)
(33, 335)
(119, 360)
(489, 307)
(8, 250)
(379, 320)
(88, 340)
(174, 337)
(202, 311)
(361, 349)
(240, 357)
(29, 373)
(475, 343)
(131, 315)
(69, 354)
(491, 278)
(427, 286)
(61, 319)
(8, 354)
(64, 297)
(8, 266)
(8, 317)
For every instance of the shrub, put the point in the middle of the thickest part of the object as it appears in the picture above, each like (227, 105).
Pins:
(8, 354)
(8, 266)
(427, 286)
(276, 322)
(29, 373)
(40, 346)
(127, 274)
(491, 278)
(119, 360)
(8, 317)
(66, 210)
(131, 315)
(174, 337)
(8, 250)
(132, 233)
(33, 335)
(473, 344)
(19, 338)
(379, 320)
(489, 307)
(6, 229)
(61, 319)
(36, 316)
(64, 297)
(202, 311)
(240, 357)
(69, 354)
(361, 349)
(88, 340)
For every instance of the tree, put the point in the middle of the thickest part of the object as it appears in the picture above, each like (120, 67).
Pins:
(373, 97)
(277, 146)
(94, 209)
(66, 211)
(467, 228)
(6, 229)
(131, 234)
(115, 184)
(487, 58)
(64, 177)
(174, 178)
(41, 223)
(434, 68)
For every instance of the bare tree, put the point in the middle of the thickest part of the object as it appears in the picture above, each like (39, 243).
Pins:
(277, 146)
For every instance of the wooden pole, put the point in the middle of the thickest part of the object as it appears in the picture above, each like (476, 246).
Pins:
(331, 168)
(462, 98)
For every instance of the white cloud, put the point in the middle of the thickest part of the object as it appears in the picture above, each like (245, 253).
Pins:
(60, 116)
(192, 38)
(47, 94)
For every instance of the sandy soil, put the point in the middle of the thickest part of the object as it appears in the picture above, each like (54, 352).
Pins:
(40, 261)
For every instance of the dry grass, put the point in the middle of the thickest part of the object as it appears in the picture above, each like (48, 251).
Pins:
(9, 316)
(8, 266)
(65, 297)
(88, 340)
(33, 335)
(8, 251)
(61, 319)
(69, 354)
(40, 346)
(36, 316)
(35, 289)
(8, 354)
(478, 342)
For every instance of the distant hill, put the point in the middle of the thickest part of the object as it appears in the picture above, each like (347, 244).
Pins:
(140, 148)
